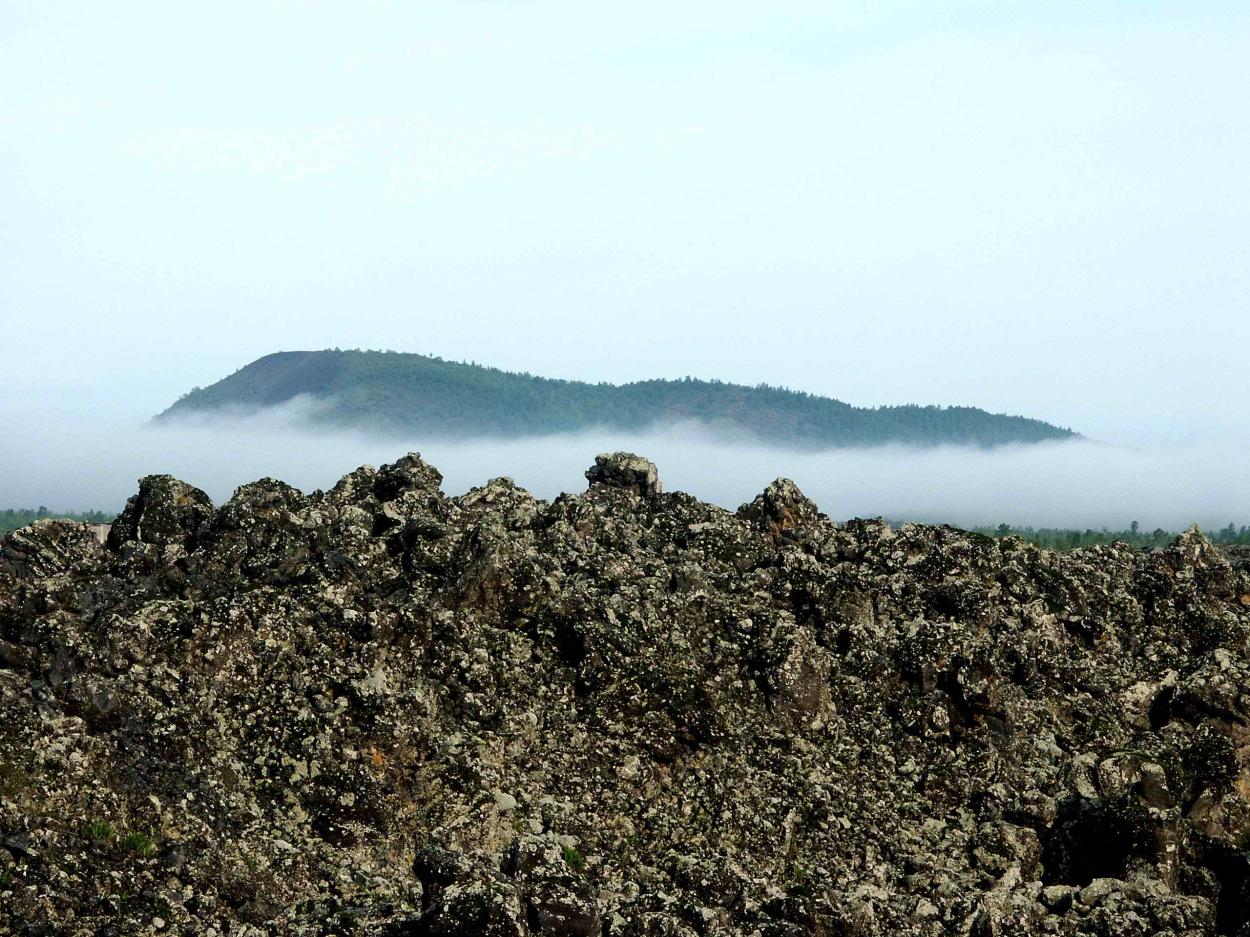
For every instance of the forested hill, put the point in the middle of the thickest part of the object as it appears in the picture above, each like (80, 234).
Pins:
(416, 393)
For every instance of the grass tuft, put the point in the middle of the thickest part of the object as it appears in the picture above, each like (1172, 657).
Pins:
(100, 831)
(138, 843)
(576, 861)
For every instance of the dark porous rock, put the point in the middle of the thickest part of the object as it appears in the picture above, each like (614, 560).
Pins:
(165, 512)
(487, 908)
(558, 898)
(15, 656)
(781, 510)
(383, 710)
(437, 869)
(408, 474)
(626, 471)
(554, 908)
(49, 548)
(799, 677)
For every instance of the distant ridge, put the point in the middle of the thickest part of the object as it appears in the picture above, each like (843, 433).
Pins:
(408, 393)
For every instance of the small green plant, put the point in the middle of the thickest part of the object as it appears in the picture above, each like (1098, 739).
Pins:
(6, 878)
(574, 858)
(100, 831)
(138, 843)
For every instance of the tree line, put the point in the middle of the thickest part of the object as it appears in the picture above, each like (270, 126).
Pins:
(417, 393)
(13, 518)
(1059, 538)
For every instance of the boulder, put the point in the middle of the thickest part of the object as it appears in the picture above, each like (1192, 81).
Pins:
(626, 471)
(165, 512)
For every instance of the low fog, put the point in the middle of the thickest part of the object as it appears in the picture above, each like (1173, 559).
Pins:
(1071, 484)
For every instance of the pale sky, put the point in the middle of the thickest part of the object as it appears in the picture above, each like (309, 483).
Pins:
(1038, 208)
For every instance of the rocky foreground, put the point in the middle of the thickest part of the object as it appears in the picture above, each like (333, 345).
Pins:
(381, 710)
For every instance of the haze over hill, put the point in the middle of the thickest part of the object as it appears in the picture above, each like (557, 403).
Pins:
(418, 393)
(625, 654)
(1041, 211)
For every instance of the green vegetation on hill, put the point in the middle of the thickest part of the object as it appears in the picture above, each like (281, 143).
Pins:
(13, 518)
(408, 392)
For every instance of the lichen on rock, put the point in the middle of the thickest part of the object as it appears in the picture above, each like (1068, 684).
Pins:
(380, 709)
(626, 471)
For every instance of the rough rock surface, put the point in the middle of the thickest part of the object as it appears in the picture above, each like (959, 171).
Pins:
(382, 710)
(625, 470)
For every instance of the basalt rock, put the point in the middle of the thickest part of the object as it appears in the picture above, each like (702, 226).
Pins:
(627, 471)
(381, 710)
(782, 511)
(165, 512)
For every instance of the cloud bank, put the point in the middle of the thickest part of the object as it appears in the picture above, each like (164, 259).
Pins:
(80, 465)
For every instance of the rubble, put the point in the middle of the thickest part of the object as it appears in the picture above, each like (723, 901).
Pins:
(381, 710)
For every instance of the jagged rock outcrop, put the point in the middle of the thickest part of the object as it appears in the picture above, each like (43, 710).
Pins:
(165, 513)
(626, 471)
(382, 710)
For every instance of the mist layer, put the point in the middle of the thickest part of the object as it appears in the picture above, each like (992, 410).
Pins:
(78, 464)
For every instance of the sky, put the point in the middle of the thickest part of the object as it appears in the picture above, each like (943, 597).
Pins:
(1032, 208)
